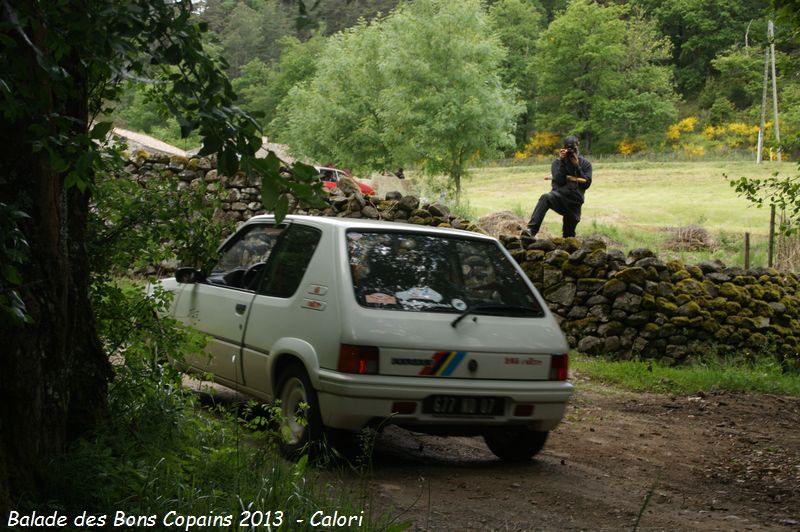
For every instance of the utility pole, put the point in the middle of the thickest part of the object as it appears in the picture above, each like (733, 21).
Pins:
(769, 50)
(763, 107)
(771, 36)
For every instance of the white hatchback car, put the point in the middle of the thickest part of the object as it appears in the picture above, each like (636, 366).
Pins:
(361, 323)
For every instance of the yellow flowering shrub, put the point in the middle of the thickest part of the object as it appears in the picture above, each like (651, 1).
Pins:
(673, 133)
(693, 150)
(542, 142)
(688, 124)
(629, 147)
(713, 132)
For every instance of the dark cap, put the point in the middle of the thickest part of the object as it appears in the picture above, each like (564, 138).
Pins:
(571, 141)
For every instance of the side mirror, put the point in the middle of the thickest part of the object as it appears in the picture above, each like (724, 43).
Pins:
(187, 275)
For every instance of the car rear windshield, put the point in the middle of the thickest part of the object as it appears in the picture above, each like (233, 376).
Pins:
(434, 273)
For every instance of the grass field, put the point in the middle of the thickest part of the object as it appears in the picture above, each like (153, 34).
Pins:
(634, 202)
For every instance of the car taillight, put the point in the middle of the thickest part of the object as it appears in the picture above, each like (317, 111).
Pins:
(359, 359)
(559, 364)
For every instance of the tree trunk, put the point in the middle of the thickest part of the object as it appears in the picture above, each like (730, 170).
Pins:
(53, 372)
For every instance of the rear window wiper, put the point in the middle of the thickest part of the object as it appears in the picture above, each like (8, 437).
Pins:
(517, 309)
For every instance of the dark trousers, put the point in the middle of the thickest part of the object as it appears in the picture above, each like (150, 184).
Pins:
(553, 200)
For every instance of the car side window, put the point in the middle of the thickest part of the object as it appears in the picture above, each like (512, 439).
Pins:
(243, 258)
(289, 261)
(330, 176)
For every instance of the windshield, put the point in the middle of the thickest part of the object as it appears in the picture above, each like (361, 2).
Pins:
(418, 272)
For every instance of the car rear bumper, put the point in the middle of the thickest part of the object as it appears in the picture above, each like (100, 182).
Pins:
(354, 401)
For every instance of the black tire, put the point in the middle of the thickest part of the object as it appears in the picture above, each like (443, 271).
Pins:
(300, 430)
(515, 444)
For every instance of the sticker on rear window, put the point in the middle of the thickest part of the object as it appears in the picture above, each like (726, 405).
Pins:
(380, 299)
(458, 304)
(424, 293)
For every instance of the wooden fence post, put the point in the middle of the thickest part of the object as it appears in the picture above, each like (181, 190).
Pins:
(771, 234)
(747, 251)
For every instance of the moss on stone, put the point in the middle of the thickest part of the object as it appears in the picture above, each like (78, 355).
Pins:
(519, 255)
(633, 275)
(744, 280)
(534, 254)
(576, 270)
(651, 328)
(731, 307)
(571, 244)
(648, 301)
(691, 287)
(533, 270)
(696, 272)
(757, 341)
(690, 309)
(711, 326)
(743, 322)
(761, 308)
(613, 286)
(679, 276)
(756, 291)
(724, 333)
(675, 265)
(666, 306)
(580, 325)
(680, 321)
(179, 159)
(772, 293)
(719, 315)
(590, 284)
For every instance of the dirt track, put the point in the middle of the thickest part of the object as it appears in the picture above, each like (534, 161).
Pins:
(718, 462)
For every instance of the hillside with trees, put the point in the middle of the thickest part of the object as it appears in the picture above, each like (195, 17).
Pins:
(678, 77)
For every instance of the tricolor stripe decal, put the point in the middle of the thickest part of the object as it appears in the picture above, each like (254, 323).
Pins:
(443, 363)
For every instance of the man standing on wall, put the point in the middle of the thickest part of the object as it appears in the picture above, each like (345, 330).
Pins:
(571, 175)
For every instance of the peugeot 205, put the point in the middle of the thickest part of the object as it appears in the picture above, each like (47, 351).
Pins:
(353, 324)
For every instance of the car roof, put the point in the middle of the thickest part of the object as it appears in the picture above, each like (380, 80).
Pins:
(377, 225)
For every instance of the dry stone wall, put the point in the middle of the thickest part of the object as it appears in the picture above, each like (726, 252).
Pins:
(607, 302)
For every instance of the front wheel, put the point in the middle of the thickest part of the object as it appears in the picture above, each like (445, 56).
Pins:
(515, 444)
(301, 423)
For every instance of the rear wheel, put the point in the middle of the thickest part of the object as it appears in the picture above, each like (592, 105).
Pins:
(301, 423)
(515, 444)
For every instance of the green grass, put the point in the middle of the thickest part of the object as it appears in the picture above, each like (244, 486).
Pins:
(638, 193)
(635, 203)
(762, 376)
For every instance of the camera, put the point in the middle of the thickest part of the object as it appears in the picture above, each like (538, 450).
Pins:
(571, 148)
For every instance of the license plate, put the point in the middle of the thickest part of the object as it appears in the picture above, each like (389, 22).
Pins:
(459, 405)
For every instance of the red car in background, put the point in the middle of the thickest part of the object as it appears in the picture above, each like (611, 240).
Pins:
(331, 176)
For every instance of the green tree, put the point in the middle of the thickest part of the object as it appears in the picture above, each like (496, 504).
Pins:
(339, 114)
(781, 191)
(262, 88)
(518, 24)
(421, 87)
(604, 81)
(448, 106)
(141, 110)
(63, 61)
(699, 30)
(255, 33)
(737, 76)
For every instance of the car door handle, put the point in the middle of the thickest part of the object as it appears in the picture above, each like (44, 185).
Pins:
(240, 308)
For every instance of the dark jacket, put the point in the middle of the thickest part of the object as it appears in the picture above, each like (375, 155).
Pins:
(561, 168)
